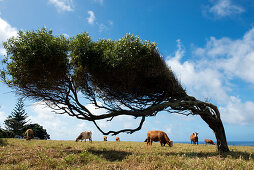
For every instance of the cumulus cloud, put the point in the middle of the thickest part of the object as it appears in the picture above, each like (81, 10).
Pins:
(238, 112)
(200, 81)
(91, 17)
(6, 31)
(62, 5)
(223, 8)
(234, 57)
(220, 62)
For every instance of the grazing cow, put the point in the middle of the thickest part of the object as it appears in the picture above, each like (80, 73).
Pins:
(105, 138)
(85, 135)
(209, 141)
(118, 139)
(156, 136)
(29, 134)
(194, 138)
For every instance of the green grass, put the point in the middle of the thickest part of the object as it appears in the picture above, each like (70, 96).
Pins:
(41, 154)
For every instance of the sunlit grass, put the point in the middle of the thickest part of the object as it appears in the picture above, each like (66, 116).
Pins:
(41, 154)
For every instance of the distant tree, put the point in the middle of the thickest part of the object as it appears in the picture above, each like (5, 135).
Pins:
(1, 133)
(18, 118)
(124, 77)
(38, 131)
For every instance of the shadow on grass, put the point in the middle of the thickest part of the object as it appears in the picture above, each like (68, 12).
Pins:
(110, 155)
(3, 142)
(231, 154)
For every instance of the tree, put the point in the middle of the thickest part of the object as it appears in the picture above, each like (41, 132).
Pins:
(38, 131)
(18, 118)
(125, 77)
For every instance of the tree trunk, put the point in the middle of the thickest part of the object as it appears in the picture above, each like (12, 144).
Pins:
(216, 125)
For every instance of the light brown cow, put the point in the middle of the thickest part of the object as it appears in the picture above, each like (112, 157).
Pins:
(29, 134)
(85, 135)
(156, 136)
(105, 138)
(118, 139)
(194, 138)
(209, 141)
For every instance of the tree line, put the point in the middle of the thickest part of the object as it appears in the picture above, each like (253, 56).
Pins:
(17, 123)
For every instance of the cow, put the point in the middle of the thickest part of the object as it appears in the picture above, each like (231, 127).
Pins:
(156, 136)
(194, 138)
(85, 135)
(105, 138)
(118, 139)
(209, 141)
(29, 134)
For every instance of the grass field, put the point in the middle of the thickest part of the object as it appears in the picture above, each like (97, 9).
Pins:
(42, 154)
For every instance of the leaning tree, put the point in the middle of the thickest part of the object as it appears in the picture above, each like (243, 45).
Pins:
(124, 77)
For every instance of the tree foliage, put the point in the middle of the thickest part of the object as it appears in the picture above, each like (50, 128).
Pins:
(18, 118)
(125, 77)
(38, 131)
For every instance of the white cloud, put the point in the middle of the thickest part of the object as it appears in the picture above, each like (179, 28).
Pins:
(198, 78)
(98, 1)
(234, 57)
(91, 17)
(224, 8)
(2, 118)
(102, 27)
(62, 5)
(237, 112)
(6, 31)
(220, 61)
(110, 22)
(64, 127)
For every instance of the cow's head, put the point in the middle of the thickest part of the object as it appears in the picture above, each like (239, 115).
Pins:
(170, 143)
(195, 134)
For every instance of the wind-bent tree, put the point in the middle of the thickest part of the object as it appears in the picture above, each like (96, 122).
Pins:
(125, 77)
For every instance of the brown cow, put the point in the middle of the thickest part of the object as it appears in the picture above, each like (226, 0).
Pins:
(194, 138)
(156, 136)
(118, 139)
(85, 135)
(209, 141)
(29, 134)
(105, 138)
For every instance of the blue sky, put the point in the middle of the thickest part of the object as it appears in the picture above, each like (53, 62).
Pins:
(209, 44)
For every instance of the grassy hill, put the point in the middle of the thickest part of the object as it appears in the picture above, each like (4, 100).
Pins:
(42, 154)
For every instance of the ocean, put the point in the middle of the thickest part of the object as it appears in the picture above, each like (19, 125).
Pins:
(232, 143)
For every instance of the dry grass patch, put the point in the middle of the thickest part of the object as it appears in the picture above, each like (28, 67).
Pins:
(41, 154)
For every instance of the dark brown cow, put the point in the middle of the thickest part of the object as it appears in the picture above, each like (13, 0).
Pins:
(194, 138)
(160, 136)
(29, 134)
(209, 141)
(105, 138)
(118, 139)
